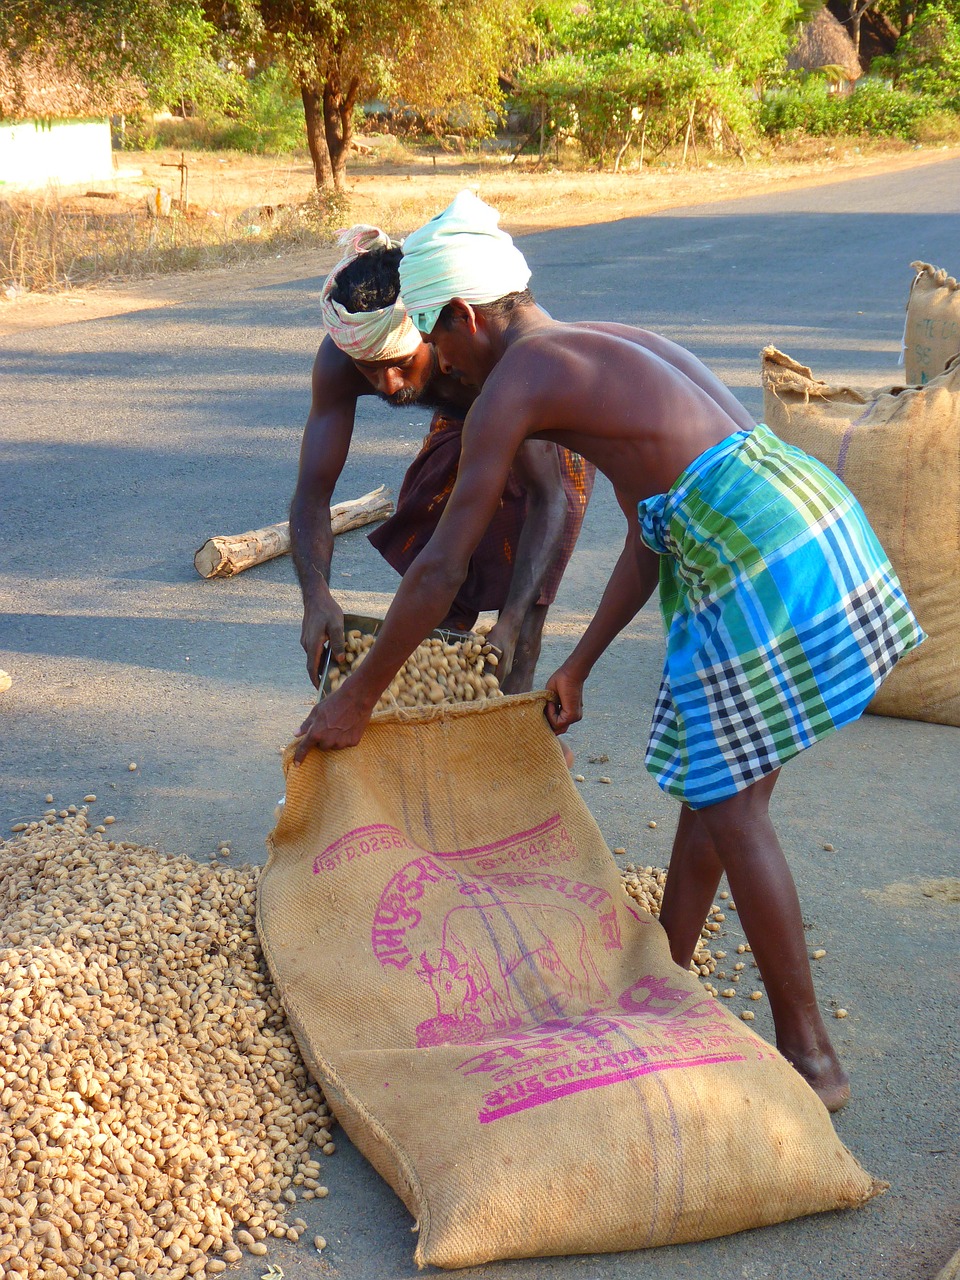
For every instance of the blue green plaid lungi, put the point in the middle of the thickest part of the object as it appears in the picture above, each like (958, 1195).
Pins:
(783, 614)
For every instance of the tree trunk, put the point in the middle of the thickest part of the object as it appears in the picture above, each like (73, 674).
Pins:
(643, 135)
(623, 150)
(313, 111)
(857, 9)
(686, 138)
(338, 123)
(337, 133)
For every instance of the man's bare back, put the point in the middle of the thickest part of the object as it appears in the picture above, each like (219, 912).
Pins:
(636, 405)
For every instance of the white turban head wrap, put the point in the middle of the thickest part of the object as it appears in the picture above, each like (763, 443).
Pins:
(388, 334)
(461, 253)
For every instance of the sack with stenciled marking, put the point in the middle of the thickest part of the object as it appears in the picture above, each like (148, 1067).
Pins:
(898, 450)
(931, 337)
(500, 1030)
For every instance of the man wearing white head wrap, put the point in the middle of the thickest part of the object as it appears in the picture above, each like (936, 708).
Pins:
(766, 565)
(461, 253)
(371, 346)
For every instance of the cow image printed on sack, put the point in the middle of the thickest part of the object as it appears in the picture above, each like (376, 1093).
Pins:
(498, 1027)
(500, 962)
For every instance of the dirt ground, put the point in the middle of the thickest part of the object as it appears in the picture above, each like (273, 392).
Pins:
(129, 442)
(398, 188)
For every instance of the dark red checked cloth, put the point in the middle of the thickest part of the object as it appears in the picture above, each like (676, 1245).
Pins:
(421, 501)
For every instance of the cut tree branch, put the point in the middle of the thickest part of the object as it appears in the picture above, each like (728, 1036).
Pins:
(222, 557)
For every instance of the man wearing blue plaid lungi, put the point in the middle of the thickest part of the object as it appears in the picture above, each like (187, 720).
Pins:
(782, 612)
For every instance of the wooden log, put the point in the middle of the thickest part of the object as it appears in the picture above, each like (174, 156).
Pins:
(222, 557)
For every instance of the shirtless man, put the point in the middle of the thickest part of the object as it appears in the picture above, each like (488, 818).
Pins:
(782, 611)
(371, 348)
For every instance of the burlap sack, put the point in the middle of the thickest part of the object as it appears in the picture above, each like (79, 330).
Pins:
(498, 1027)
(898, 450)
(932, 335)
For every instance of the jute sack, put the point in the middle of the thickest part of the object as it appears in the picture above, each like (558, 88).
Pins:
(932, 335)
(898, 450)
(500, 1030)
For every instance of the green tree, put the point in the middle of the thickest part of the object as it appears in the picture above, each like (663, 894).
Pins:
(428, 54)
(928, 54)
(664, 68)
(902, 13)
(163, 52)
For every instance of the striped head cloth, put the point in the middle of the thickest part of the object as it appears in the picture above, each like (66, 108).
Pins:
(387, 334)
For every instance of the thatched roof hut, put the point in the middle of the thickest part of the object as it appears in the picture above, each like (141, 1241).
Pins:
(38, 87)
(53, 123)
(824, 43)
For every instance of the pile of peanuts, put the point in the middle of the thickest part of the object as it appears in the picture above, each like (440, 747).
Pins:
(645, 886)
(155, 1113)
(437, 671)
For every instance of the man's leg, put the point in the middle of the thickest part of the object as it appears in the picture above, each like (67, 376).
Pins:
(691, 886)
(527, 652)
(747, 848)
(525, 658)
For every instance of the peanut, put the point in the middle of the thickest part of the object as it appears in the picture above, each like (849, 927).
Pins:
(436, 672)
(150, 1064)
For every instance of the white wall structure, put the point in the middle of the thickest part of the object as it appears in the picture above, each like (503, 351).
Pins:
(37, 154)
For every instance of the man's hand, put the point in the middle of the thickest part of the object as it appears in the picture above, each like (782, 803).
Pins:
(502, 638)
(566, 701)
(337, 721)
(322, 625)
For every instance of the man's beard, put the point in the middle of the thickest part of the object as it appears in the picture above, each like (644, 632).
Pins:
(428, 396)
(406, 395)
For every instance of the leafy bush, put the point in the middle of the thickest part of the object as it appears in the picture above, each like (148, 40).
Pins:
(606, 102)
(613, 70)
(806, 109)
(928, 55)
(272, 118)
(264, 117)
(874, 108)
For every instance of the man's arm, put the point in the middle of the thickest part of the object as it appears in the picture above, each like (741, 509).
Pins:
(630, 586)
(537, 467)
(492, 434)
(323, 451)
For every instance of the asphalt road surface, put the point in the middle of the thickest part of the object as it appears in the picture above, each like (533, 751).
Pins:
(128, 441)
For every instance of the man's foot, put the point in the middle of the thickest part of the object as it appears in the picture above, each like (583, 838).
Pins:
(825, 1076)
(567, 755)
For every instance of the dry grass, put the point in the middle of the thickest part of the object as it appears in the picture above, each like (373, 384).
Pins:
(55, 243)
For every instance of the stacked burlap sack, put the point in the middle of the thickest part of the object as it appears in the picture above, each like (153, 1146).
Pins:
(898, 449)
(931, 337)
(499, 1028)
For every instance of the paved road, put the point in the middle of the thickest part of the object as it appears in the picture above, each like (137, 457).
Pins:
(128, 441)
